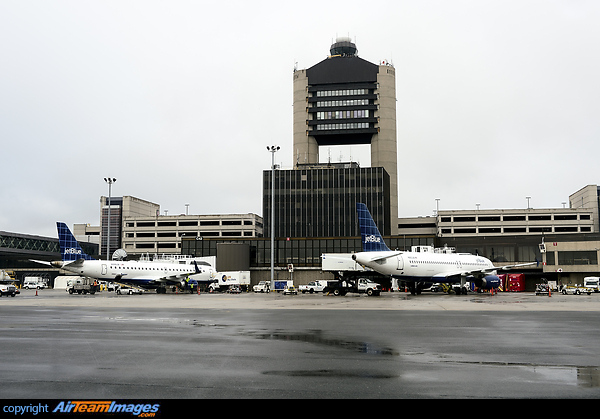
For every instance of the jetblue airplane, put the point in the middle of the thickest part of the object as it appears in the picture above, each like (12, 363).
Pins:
(143, 274)
(420, 269)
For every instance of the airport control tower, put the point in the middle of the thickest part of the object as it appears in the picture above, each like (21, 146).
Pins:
(345, 100)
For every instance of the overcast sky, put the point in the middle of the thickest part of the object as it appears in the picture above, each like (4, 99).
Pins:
(497, 100)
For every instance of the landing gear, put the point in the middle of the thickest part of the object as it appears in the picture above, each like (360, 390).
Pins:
(415, 288)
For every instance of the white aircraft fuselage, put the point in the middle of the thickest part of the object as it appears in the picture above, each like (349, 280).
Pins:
(142, 274)
(430, 266)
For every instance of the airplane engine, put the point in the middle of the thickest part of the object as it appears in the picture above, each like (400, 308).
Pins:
(487, 282)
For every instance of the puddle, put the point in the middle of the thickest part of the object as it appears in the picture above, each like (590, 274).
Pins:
(317, 337)
(582, 376)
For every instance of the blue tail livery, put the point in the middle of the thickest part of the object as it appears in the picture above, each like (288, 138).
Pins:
(69, 247)
(370, 235)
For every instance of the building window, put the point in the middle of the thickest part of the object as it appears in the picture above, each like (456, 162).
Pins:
(344, 92)
(515, 229)
(188, 223)
(146, 224)
(514, 218)
(578, 258)
(540, 229)
(464, 219)
(489, 218)
(540, 218)
(464, 230)
(145, 234)
(490, 230)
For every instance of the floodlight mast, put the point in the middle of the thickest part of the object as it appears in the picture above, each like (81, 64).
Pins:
(110, 181)
(273, 149)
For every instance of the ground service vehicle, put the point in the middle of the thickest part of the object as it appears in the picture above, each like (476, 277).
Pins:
(575, 290)
(592, 282)
(82, 286)
(234, 289)
(313, 286)
(262, 286)
(291, 290)
(225, 280)
(360, 285)
(127, 290)
(282, 285)
(542, 289)
(339, 262)
(8, 289)
(513, 282)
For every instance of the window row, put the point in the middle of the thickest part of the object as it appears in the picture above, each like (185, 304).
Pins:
(543, 217)
(344, 92)
(362, 113)
(191, 234)
(131, 224)
(352, 125)
(530, 229)
(348, 102)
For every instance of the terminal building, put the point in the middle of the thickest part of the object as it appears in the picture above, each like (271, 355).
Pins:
(138, 227)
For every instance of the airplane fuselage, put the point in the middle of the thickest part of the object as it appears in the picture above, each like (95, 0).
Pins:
(143, 274)
(424, 266)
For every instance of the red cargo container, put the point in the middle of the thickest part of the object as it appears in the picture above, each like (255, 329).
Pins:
(515, 282)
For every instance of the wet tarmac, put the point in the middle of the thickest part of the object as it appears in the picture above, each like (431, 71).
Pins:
(56, 345)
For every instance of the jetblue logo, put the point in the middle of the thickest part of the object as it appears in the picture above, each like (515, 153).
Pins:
(372, 239)
(72, 251)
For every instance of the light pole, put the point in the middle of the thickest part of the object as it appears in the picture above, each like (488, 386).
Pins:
(273, 149)
(110, 181)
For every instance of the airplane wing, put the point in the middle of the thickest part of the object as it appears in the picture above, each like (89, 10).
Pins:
(172, 278)
(176, 278)
(477, 272)
(43, 262)
(517, 266)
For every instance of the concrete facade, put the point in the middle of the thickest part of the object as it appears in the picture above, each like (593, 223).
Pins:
(384, 148)
(587, 197)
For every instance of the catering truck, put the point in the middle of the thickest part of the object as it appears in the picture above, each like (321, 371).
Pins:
(225, 280)
(340, 262)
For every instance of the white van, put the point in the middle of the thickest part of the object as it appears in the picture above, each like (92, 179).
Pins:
(34, 282)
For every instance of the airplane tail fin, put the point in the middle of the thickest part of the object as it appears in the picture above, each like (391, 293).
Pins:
(69, 247)
(372, 241)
